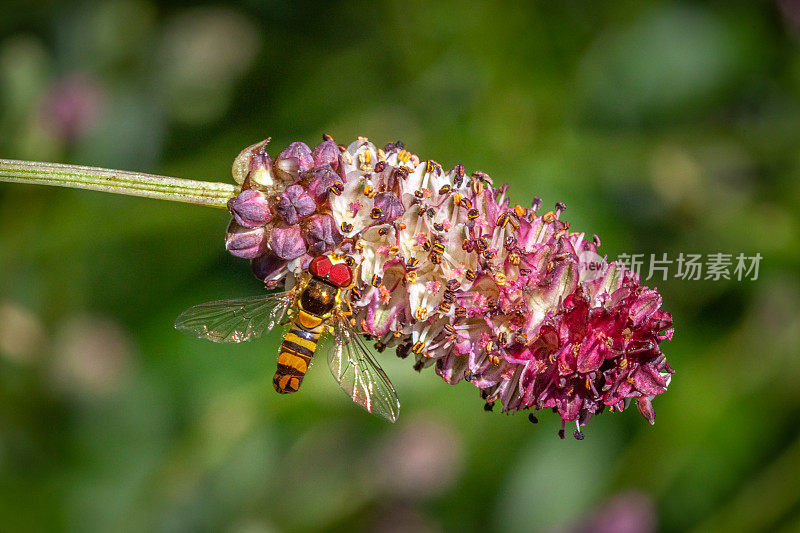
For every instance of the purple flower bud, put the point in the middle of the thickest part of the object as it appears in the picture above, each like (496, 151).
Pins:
(301, 152)
(390, 205)
(250, 209)
(286, 169)
(244, 242)
(260, 170)
(322, 234)
(645, 406)
(294, 203)
(319, 181)
(260, 159)
(287, 243)
(327, 153)
(267, 266)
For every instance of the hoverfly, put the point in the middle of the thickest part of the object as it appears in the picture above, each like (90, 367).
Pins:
(315, 305)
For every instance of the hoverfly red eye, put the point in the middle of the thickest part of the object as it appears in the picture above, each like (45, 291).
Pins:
(320, 266)
(340, 275)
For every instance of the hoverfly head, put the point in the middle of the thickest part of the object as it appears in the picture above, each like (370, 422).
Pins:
(338, 274)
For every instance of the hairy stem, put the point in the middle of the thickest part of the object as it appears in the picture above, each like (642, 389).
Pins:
(118, 181)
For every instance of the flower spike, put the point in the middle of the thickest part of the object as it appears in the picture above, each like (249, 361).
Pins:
(448, 271)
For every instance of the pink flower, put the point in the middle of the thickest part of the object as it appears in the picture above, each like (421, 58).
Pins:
(449, 272)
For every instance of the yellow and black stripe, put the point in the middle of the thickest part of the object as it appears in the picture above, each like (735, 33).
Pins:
(296, 352)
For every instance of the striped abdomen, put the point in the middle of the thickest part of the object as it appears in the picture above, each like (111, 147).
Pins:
(296, 352)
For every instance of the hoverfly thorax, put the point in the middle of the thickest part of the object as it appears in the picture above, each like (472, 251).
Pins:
(318, 298)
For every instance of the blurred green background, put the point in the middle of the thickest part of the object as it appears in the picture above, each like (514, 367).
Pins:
(665, 127)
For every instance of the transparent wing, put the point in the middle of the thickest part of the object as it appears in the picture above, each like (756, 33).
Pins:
(360, 376)
(236, 320)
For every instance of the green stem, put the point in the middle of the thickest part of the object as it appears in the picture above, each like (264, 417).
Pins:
(118, 181)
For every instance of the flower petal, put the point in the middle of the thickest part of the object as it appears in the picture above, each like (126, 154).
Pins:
(648, 381)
